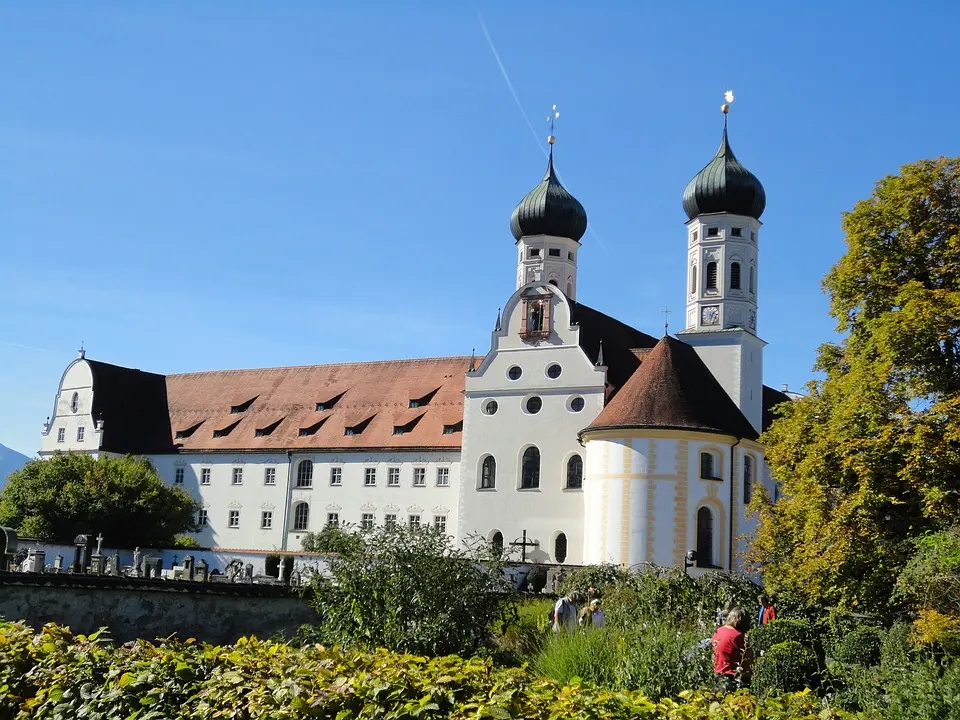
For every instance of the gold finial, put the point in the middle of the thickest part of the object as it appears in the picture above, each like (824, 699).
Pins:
(552, 119)
(728, 96)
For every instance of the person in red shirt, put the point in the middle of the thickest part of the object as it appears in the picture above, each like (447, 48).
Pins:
(731, 656)
(767, 611)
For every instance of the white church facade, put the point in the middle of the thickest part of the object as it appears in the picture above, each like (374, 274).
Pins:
(590, 439)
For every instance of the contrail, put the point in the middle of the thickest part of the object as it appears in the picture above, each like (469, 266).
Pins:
(526, 118)
(506, 77)
(23, 347)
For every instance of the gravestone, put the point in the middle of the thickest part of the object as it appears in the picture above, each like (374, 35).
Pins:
(58, 564)
(97, 564)
(202, 574)
(153, 567)
(35, 560)
(79, 543)
(188, 567)
(137, 570)
(116, 563)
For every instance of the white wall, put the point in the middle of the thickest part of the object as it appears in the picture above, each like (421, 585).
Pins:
(546, 511)
(77, 379)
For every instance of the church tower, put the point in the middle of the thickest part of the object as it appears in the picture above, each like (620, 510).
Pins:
(723, 204)
(547, 225)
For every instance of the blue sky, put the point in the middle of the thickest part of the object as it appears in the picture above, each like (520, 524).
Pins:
(189, 186)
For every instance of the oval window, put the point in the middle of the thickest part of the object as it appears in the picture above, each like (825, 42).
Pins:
(534, 404)
(491, 407)
(576, 405)
(75, 402)
(554, 371)
(514, 372)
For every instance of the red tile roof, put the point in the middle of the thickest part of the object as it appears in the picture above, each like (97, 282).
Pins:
(378, 390)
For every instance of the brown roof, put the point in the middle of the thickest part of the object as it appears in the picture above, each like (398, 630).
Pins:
(673, 389)
(378, 390)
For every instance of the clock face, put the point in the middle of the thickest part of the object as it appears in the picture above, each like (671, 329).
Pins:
(710, 315)
(753, 320)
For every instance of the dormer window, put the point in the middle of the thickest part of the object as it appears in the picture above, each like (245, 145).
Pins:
(187, 432)
(407, 427)
(358, 427)
(312, 429)
(453, 429)
(242, 407)
(224, 431)
(329, 404)
(424, 400)
(268, 430)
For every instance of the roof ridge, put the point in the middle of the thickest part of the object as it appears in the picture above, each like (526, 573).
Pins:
(464, 358)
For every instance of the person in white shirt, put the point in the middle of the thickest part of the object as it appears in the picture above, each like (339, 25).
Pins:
(565, 613)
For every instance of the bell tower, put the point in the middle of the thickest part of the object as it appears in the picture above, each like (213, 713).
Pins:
(723, 204)
(547, 225)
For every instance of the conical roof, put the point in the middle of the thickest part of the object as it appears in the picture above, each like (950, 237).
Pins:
(549, 209)
(724, 185)
(673, 389)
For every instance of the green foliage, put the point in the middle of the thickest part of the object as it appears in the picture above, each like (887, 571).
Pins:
(861, 646)
(785, 667)
(412, 590)
(186, 541)
(123, 498)
(55, 675)
(332, 539)
(522, 633)
(868, 460)
(764, 637)
(931, 578)
(599, 577)
(589, 656)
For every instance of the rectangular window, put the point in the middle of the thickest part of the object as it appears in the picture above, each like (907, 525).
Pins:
(366, 521)
(237, 476)
(178, 476)
(203, 518)
(553, 252)
(533, 252)
(336, 476)
(753, 236)
(393, 477)
(234, 520)
(419, 476)
(696, 235)
(443, 477)
(736, 232)
(414, 521)
(369, 477)
(269, 476)
(706, 466)
(61, 434)
(205, 476)
(266, 519)
(333, 519)
(713, 232)
(80, 431)
(440, 523)
(390, 520)
(570, 256)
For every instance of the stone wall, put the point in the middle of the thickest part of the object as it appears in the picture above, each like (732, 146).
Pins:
(218, 613)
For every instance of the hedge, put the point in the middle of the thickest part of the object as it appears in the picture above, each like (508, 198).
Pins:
(54, 674)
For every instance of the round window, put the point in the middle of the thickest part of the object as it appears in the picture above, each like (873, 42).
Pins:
(514, 372)
(490, 407)
(554, 371)
(534, 404)
(576, 405)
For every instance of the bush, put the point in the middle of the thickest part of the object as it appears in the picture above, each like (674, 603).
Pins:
(764, 637)
(589, 656)
(896, 652)
(785, 667)
(186, 541)
(75, 677)
(861, 646)
(411, 590)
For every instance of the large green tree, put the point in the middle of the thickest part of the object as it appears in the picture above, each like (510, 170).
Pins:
(869, 460)
(123, 498)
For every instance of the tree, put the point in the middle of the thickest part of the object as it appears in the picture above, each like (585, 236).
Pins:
(122, 498)
(869, 460)
(412, 590)
(332, 539)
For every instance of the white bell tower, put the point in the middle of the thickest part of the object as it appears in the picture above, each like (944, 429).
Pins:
(724, 202)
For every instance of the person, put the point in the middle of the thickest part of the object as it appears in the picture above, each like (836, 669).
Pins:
(565, 613)
(732, 658)
(767, 611)
(597, 618)
(724, 611)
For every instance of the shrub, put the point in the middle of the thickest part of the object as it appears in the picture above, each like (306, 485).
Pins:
(785, 667)
(186, 541)
(75, 677)
(861, 646)
(895, 648)
(332, 539)
(600, 577)
(764, 637)
(590, 656)
(411, 590)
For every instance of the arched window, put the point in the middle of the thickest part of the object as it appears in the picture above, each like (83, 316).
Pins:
(747, 479)
(704, 538)
(488, 473)
(711, 276)
(496, 542)
(305, 473)
(693, 279)
(569, 289)
(753, 287)
(301, 516)
(530, 468)
(735, 276)
(75, 402)
(708, 469)
(560, 548)
(554, 283)
(575, 472)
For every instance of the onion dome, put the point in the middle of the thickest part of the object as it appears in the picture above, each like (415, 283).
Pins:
(549, 209)
(724, 186)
